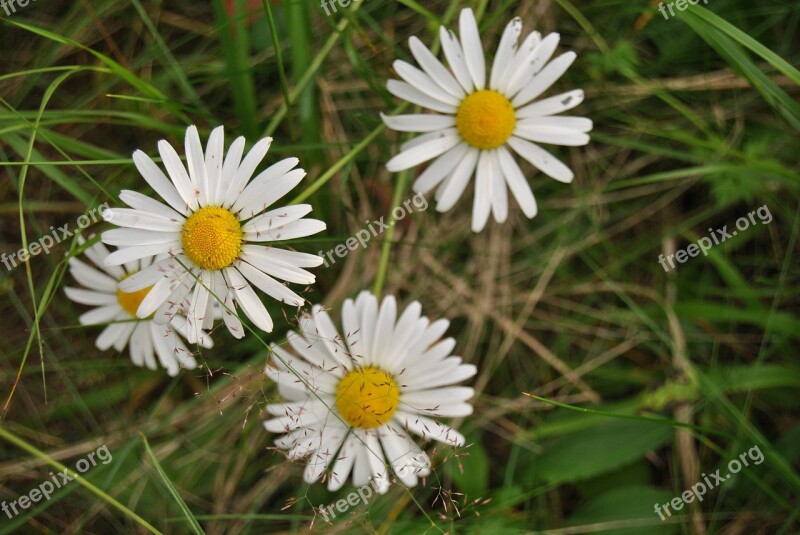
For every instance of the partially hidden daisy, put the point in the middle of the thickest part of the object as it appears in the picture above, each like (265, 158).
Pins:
(352, 400)
(480, 121)
(147, 339)
(215, 233)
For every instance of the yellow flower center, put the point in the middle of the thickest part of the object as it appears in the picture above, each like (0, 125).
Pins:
(130, 301)
(367, 398)
(212, 238)
(485, 119)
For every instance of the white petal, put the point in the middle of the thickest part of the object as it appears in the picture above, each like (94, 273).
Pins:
(215, 149)
(344, 463)
(275, 219)
(149, 276)
(580, 124)
(455, 57)
(384, 328)
(446, 140)
(249, 301)
(416, 96)
(542, 160)
(98, 253)
(482, 204)
(128, 254)
(379, 477)
(136, 200)
(268, 285)
(296, 229)
(551, 135)
(160, 292)
(434, 68)
(368, 312)
(325, 331)
(233, 160)
(454, 410)
(499, 193)
(428, 400)
(551, 105)
(418, 79)
(452, 189)
(177, 172)
(158, 181)
(517, 62)
(546, 78)
(113, 333)
(103, 314)
(462, 372)
(429, 429)
(418, 123)
(130, 237)
(429, 335)
(505, 52)
(440, 168)
(329, 443)
(473, 49)
(403, 332)
(516, 182)
(276, 268)
(267, 188)
(531, 65)
(125, 217)
(89, 297)
(246, 170)
(91, 278)
(196, 311)
(196, 163)
(294, 258)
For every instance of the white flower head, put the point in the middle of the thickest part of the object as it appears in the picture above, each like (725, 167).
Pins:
(147, 339)
(479, 120)
(213, 228)
(352, 401)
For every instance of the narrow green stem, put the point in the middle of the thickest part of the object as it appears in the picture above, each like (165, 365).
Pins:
(287, 98)
(308, 76)
(386, 248)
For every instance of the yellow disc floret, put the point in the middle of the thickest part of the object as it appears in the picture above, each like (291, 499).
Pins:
(130, 301)
(485, 119)
(212, 238)
(367, 397)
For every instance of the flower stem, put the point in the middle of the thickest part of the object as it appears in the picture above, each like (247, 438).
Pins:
(386, 248)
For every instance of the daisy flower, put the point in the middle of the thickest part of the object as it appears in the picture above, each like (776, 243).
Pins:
(481, 121)
(215, 233)
(352, 401)
(146, 338)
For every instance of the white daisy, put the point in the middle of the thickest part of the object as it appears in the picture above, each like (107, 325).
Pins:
(352, 401)
(147, 339)
(210, 232)
(480, 120)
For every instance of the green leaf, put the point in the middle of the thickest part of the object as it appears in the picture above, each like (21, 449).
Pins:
(599, 449)
(631, 510)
